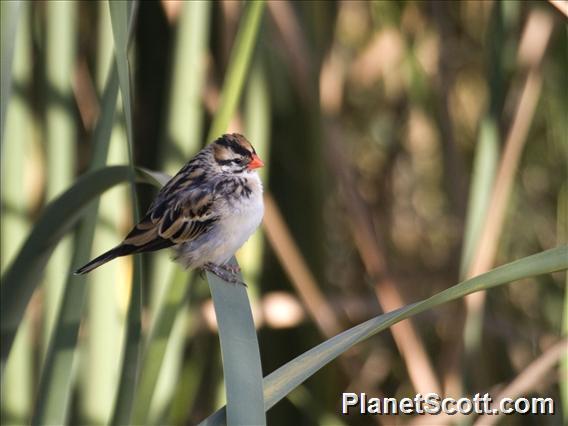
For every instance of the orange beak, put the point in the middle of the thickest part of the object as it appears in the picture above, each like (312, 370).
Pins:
(255, 163)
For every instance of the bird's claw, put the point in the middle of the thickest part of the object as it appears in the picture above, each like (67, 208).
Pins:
(225, 272)
(233, 269)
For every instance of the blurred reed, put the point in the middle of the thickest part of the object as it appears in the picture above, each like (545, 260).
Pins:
(562, 231)
(60, 134)
(17, 403)
(257, 112)
(58, 372)
(106, 307)
(122, 16)
(181, 139)
(9, 18)
(409, 343)
(237, 335)
(482, 182)
(530, 378)
(532, 47)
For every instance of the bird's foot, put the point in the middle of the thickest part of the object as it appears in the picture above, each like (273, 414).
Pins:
(226, 274)
(233, 269)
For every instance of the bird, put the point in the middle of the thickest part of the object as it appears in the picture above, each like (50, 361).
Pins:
(206, 212)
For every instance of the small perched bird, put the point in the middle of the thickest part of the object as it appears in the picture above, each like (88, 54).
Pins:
(206, 211)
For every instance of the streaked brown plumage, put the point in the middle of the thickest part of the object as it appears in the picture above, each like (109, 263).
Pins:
(206, 211)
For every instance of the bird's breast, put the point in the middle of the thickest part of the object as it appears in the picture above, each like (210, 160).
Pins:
(245, 210)
(241, 216)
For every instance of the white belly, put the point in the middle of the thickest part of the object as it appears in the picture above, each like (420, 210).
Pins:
(236, 229)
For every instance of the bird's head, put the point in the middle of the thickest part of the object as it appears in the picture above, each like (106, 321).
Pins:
(234, 154)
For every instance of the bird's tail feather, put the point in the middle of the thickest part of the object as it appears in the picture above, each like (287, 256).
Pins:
(121, 250)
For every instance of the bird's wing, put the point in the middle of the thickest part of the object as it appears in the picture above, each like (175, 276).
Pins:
(183, 210)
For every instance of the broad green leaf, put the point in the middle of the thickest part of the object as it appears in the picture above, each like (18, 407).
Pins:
(23, 275)
(60, 142)
(183, 136)
(282, 381)
(239, 348)
(238, 67)
(159, 338)
(122, 14)
(54, 393)
(237, 334)
(159, 335)
(152, 177)
(96, 385)
(9, 17)
(16, 405)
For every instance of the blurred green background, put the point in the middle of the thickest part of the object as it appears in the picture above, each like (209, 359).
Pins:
(408, 145)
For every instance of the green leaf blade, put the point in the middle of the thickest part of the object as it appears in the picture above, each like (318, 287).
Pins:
(283, 380)
(9, 15)
(239, 348)
(23, 275)
(239, 344)
(238, 67)
(122, 14)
